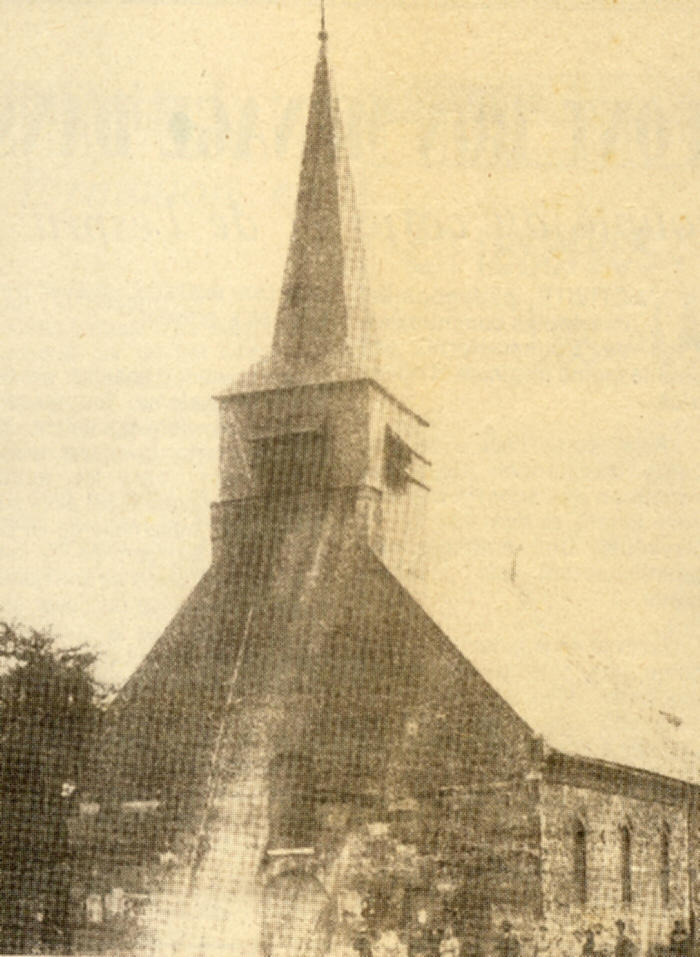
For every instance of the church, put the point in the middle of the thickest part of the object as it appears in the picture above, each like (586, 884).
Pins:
(305, 763)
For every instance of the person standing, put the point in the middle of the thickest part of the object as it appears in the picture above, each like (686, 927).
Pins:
(389, 944)
(624, 947)
(588, 949)
(679, 942)
(420, 939)
(508, 944)
(543, 945)
(363, 943)
(449, 945)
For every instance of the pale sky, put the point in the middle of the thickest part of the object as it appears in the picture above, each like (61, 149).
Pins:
(527, 176)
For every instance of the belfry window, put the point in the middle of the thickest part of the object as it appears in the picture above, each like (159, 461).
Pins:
(397, 462)
(287, 463)
(626, 864)
(580, 864)
(400, 463)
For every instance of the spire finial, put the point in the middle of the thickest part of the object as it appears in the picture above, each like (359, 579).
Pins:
(323, 36)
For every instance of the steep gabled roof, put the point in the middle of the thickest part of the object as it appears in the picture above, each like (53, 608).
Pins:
(324, 329)
(303, 616)
(166, 719)
(579, 704)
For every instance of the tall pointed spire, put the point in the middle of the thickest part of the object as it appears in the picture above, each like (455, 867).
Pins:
(324, 329)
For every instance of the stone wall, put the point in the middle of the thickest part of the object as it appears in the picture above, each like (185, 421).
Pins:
(418, 867)
(694, 856)
(602, 815)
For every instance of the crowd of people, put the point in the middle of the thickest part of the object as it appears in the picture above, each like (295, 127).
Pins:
(679, 945)
(424, 942)
(427, 942)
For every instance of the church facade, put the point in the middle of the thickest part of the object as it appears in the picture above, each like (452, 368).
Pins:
(305, 762)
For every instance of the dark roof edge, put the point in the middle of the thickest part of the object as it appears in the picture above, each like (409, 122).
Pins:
(226, 396)
(457, 653)
(190, 599)
(451, 647)
(627, 769)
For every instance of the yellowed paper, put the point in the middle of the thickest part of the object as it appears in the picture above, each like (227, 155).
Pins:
(527, 185)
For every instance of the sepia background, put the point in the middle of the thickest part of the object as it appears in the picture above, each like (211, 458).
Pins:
(527, 176)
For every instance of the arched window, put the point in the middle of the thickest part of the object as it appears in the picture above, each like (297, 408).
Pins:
(626, 864)
(297, 916)
(580, 863)
(665, 865)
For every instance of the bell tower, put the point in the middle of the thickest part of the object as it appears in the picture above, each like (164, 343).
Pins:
(283, 686)
(311, 421)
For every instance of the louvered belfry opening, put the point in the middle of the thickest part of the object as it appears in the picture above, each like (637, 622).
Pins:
(398, 459)
(289, 463)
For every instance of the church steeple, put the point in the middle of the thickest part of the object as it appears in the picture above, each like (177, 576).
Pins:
(324, 330)
(309, 425)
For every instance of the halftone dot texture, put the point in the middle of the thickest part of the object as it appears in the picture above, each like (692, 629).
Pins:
(304, 763)
(325, 329)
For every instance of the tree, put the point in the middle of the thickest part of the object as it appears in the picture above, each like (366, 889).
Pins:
(50, 704)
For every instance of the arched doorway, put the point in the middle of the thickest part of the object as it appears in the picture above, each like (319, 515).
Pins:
(296, 917)
(292, 797)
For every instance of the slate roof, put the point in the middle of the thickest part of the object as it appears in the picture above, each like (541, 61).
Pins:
(302, 615)
(299, 572)
(355, 655)
(325, 329)
(579, 704)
